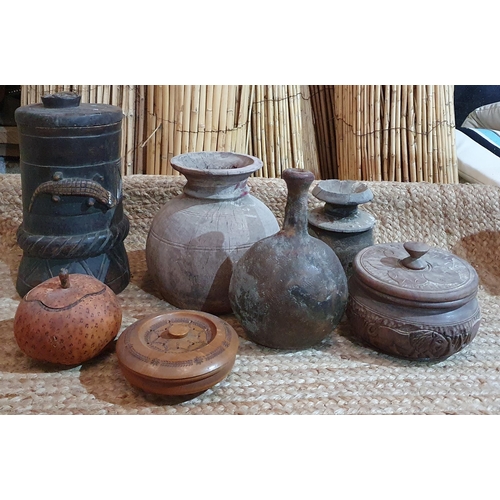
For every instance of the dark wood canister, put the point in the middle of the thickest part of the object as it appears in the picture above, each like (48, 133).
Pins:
(71, 191)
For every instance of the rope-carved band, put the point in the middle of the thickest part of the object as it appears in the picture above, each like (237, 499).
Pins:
(79, 246)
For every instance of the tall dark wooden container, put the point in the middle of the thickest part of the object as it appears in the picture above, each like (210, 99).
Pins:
(71, 192)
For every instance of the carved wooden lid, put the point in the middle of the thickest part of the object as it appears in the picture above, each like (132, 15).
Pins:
(65, 290)
(177, 353)
(415, 271)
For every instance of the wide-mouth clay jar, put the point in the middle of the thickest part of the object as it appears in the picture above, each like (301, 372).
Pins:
(196, 238)
(413, 301)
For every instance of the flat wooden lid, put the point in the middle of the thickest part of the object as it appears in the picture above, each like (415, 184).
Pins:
(417, 272)
(179, 352)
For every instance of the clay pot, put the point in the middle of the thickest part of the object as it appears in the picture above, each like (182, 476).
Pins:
(196, 238)
(413, 301)
(289, 290)
(177, 353)
(67, 320)
(339, 222)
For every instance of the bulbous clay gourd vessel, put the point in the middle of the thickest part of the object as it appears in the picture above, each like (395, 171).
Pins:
(67, 320)
(289, 290)
(197, 237)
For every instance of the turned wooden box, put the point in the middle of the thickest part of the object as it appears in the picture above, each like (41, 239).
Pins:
(413, 301)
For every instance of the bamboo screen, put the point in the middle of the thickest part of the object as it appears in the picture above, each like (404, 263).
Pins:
(364, 132)
(390, 132)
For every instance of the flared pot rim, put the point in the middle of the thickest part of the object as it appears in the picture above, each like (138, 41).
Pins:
(215, 164)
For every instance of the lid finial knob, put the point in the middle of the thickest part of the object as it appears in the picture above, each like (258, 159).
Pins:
(416, 250)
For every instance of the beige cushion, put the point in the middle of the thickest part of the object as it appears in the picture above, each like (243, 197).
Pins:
(487, 116)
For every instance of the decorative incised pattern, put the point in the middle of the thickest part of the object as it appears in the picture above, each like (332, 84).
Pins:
(78, 246)
(444, 271)
(154, 361)
(75, 187)
(199, 335)
(413, 341)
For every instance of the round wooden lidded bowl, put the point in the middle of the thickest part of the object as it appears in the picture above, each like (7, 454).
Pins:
(67, 319)
(177, 353)
(413, 301)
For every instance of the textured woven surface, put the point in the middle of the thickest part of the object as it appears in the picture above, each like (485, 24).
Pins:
(338, 376)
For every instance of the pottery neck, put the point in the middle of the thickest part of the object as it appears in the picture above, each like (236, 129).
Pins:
(340, 211)
(216, 186)
(296, 217)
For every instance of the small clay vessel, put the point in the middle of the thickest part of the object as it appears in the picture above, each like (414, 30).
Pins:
(177, 353)
(289, 290)
(197, 237)
(67, 319)
(339, 223)
(413, 301)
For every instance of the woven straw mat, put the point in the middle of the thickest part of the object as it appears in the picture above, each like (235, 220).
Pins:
(338, 376)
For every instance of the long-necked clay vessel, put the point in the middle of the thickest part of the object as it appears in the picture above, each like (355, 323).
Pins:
(196, 238)
(289, 290)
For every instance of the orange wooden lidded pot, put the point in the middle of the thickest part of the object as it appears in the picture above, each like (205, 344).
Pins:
(67, 319)
(177, 353)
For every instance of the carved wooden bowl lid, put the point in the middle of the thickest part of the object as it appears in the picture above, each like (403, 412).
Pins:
(416, 272)
(177, 353)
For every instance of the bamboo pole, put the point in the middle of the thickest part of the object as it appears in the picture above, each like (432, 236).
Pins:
(248, 124)
(270, 130)
(200, 132)
(377, 137)
(230, 106)
(404, 166)
(276, 136)
(186, 119)
(139, 127)
(215, 116)
(330, 130)
(179, 99)
(308, 144)
(221, 131)
(397, 127)
(386, 132)
(171, 124)
(339, 129)
(372, 167)
(207, 140)
(156, 139)
(411, 134)
(151, 125)
(123, 148)
(256, 120)
(265, 156)
(165, 130)
(99, 94)
(193, 117)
